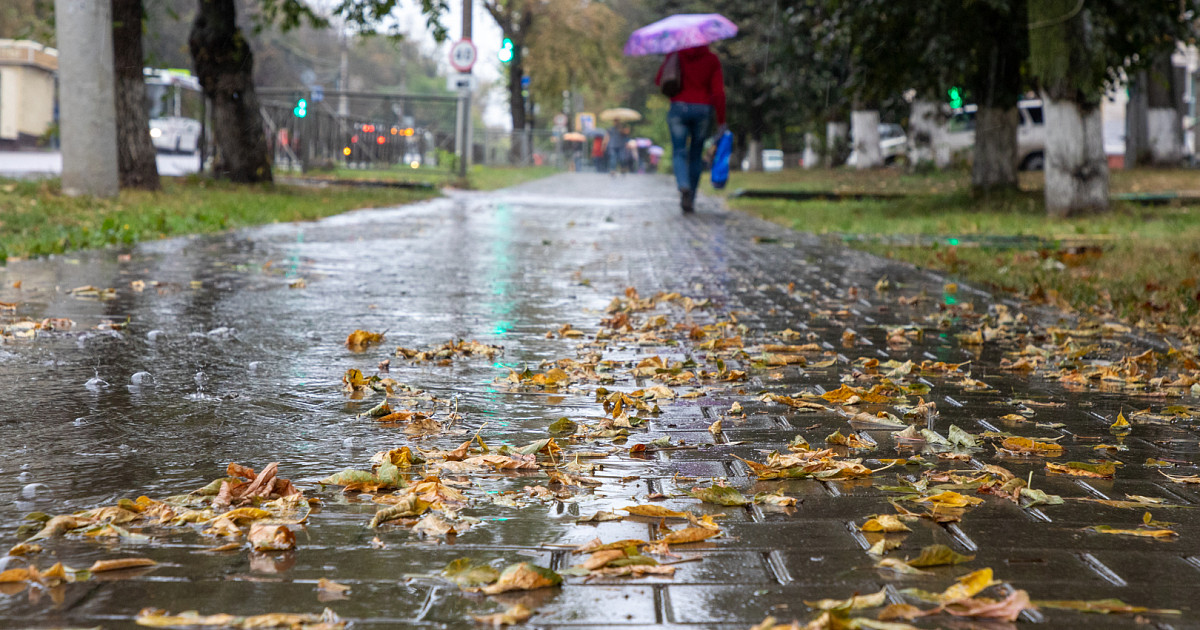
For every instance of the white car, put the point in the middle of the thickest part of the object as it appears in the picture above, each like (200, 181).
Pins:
(772, 160)
(1031, 133)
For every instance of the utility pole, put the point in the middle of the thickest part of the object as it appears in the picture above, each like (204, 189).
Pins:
(344, 73)
(464, 129)
(87, 97)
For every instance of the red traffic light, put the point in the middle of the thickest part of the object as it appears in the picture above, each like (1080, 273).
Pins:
(380, 139)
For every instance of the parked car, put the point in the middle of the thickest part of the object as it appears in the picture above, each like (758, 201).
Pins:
(772, 160)
(1031, 133)
(893, 143)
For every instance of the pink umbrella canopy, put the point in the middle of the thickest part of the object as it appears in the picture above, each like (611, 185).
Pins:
(677, 32)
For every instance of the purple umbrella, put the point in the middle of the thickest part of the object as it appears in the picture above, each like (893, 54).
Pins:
(678, 32)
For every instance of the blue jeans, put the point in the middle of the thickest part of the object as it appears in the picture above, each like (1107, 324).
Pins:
(688, 120)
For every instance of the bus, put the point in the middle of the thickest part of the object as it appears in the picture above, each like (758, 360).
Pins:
(175, 103)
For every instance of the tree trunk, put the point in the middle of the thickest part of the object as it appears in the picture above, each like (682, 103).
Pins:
(135, 152)
(995, 159)
(924, 131)
(754, 153)
(1164, 127)
(1063, 56)
(997, 83)
(812, 157)
(837, 146)
(87, 111)
(1076, 168)
(1137, 146)
(864, 126)
(224, 65)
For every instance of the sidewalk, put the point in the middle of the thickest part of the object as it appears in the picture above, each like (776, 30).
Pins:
(245, 338)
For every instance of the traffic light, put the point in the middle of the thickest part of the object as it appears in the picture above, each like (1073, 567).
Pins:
(301, 108)
(507, 51)
(955, 95)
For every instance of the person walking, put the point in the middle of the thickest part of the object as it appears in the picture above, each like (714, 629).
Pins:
(702, 95)
(599, 159)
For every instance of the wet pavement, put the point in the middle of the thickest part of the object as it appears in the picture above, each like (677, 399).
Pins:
(232, 349)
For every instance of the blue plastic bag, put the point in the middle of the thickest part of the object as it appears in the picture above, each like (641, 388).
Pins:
(720, 164)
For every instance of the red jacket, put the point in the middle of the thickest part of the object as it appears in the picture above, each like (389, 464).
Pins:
(703, 82)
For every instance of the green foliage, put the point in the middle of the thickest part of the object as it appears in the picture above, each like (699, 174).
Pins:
(363, 15)
(1078, 50)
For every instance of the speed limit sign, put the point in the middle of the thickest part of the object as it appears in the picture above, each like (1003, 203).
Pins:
(463, 55)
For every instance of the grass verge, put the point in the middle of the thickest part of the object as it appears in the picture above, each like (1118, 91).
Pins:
(37, 219)
(1138, 263)
(478, 178)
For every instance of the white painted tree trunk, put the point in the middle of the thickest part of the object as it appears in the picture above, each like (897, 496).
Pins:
(1076, 168)
(1164, 133)
(864, 126)
(754, 154)
(87, 97)
(835, 143)
(812, 157)
(924, 133)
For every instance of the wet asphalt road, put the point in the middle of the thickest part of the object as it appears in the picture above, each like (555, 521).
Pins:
(245, 369)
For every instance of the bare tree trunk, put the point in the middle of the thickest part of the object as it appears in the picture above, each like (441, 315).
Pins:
(864, 126)
(224, 66)
(1076, 168)
(997, 83)
(135, 152)
(995, 160)
(1164, 127)
(1137, 146)
(837, 146)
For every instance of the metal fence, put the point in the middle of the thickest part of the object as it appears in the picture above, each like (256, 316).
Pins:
(360, 130)
(368, 130)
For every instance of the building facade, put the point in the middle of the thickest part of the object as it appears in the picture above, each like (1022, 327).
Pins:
(27, 92)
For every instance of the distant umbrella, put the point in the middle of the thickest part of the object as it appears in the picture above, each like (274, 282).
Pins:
(574, 136)
(620, 114)
(655, 150)
(677, 32)
(643, 143)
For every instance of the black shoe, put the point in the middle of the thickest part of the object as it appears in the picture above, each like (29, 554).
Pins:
(687, 201)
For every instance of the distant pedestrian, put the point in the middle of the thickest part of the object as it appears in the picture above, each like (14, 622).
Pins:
(618, 137)
(700, 96)
(599, 159)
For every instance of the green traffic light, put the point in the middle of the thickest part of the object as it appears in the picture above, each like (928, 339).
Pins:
(955, 95)
(301, 109)
(506, 51)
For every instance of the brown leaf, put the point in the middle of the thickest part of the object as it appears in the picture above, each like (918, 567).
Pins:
(122, 563)
(523, 576)
(360, 340)
(688, 535)
(887, 523)
(328, 590)
(655, 511)
(514, 615)
(271, 537)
